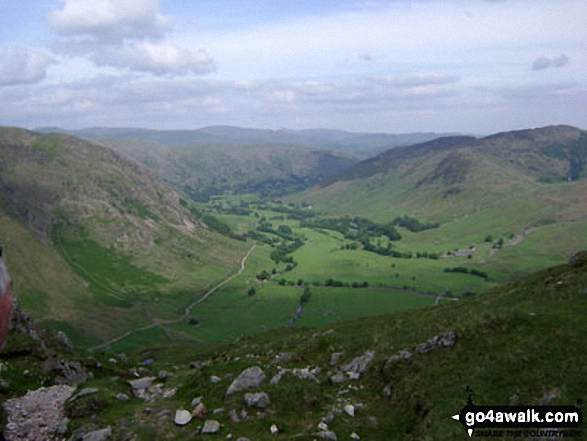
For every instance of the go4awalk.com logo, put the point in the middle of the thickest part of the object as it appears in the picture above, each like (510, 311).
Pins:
(521, 421)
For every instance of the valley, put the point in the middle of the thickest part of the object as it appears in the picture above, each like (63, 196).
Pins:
(303, 251)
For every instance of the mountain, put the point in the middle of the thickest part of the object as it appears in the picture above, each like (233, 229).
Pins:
(201, 171)
(398, 376)
(229, 135)
(526, 187)
(108, 243)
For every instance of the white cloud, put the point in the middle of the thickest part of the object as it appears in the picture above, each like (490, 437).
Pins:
(158, 58)
(19, 65)
(110, 19)
(125, 34)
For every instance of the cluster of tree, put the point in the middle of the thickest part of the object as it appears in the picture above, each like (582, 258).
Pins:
(355, 228)
(338, 283)
(471, 271)
(413, 224)
(280, 254)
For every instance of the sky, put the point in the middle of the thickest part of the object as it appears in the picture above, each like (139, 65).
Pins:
(393, 66)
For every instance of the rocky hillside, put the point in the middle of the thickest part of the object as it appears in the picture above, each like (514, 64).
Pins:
(399, 376)
(108, 236)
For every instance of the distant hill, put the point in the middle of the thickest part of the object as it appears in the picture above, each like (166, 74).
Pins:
(506, 184)
(229, 135)
(201, 171)
(126, 242)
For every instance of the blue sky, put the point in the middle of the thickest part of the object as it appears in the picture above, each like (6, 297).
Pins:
(474, 66)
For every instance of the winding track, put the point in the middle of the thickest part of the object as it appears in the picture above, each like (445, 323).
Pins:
(187, 310)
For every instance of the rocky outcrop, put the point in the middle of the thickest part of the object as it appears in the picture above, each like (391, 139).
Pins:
(260, 400)
(38, 415)
(249, 378)
(67, 372)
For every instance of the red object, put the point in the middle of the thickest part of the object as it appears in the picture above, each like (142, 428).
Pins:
(5, 311)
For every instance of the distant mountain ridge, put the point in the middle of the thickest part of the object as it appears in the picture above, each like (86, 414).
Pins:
(231, 135)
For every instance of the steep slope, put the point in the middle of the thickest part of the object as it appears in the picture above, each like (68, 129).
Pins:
(448, 178)
(129, 240)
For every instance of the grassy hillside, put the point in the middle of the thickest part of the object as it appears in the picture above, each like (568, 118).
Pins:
(129, 251)
(519, 344)
(527, 188)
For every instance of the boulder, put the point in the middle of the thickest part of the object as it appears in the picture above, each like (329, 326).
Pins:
(182, 417)
(211, 426)
(446, 340)
(350, 409)
(359, 364)
(328, 434)
(249, 378)
(400, 356)
(98, 435)
(260, 400)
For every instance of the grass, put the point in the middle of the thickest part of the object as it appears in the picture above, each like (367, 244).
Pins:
(111, 275)
(523, 339)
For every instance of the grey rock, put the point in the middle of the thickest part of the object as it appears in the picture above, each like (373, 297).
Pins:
(98, 435)
(249, 378)
(387, 391)
(197, 401)
(233, 415)
(243, 439)
(260, 400)
(182, 417)
(350, 409)
(211, 426)
(146, 362)
(328, 418)
(68, 372)
(338, 378)
(214, 379)
(305, 374)
(277, 377)
(84, 392)
(122, 397)
(283, 358)
(446, 340)
(335, 357)
(164, 375)
(327, 434)
(359, 364)
(62, 338)
(141, 383)
(218, 411)
(400, 356)
(168, 393)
